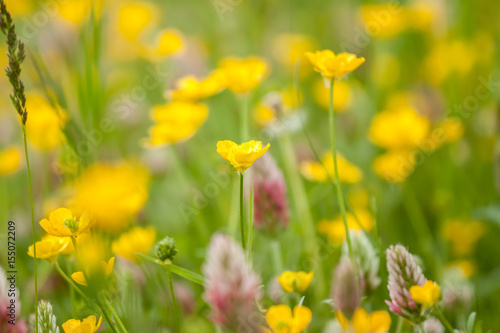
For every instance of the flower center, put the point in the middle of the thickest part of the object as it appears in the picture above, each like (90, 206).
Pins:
(71, 224)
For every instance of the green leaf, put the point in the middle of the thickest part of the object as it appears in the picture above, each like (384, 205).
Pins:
(470, 322)
(185, 273)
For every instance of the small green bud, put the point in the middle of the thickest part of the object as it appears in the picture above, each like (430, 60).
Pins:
(71, 224)
(166, 249)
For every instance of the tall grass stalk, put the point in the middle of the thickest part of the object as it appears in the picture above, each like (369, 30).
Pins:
(33, 231)
(242, 215)
(16, 54)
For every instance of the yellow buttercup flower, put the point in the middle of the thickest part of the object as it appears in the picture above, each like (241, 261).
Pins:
(265, 115)
(426, 295)
(399, 128)
(112, 194)
(242, 75)
(331, 65)
(69, 249)
(394, 25)
(87, 325)
(295, 281)
(342, 97)
(45, 124)
(137, 240)
(467, 266)
(189, 88)
(19, 7)
(169, 42)
(275, 105)
(395, 165)
(62, 223)
(76, 11)
(281, 319)
(93, 248)
(315, 171)
(446, 50)
(241, 156)
(176, 122)
(334, 229)
(134, 18)
(362, 322)
(94, 272)
(49, 248)
(463, 235)
(10, 161)
(288, 48)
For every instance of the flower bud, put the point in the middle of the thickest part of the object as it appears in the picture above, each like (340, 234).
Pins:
(166, 249)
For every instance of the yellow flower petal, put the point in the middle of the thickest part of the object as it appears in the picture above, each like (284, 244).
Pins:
(301, 318)
(79, 278)
(380, 321)
(426, 295)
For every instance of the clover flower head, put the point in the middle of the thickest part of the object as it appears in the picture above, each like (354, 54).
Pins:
(270, 202)
(347, 287)
(404, 273)
(367, 260)
(231, 288)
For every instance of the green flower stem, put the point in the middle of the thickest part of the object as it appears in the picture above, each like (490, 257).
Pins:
(185, 182)
(80, 292)
(78, 258)
(301, 206)
(113, 313)
(340, 195)
(70, 282)
(442, 319)
(33, 231)
(420, 225)
(278, 264)
(71, 289)
(172, 295)
(107, 316)
(250, 227)
(374, 208)
(242, 223)
(278, 258)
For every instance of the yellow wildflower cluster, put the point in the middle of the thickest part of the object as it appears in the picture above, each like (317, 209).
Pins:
(386, 20)
(335, 230)
(242, 75)
(10, 161)
(112, 193)
(463, 235)
(46, 123)
(176, 122)
(136, 240)
(324, 170)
